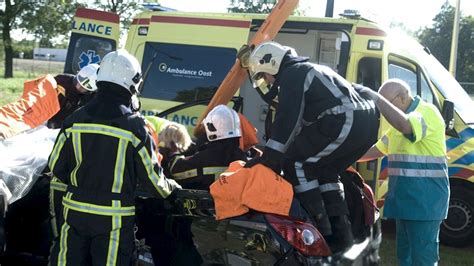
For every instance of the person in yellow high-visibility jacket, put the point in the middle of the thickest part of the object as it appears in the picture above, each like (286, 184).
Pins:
(418, 188)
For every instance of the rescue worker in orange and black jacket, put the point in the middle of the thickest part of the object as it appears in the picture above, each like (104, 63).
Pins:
(102, 154)
(321, 126)
(74, 91)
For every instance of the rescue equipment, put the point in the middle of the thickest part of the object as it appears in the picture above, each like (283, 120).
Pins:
(38, 103)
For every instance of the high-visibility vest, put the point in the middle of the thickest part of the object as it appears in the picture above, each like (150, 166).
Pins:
(418, 186)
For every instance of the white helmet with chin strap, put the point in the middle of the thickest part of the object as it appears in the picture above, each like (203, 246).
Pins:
(266, 58)
(87, 77)
(222, 123)
(121, 68)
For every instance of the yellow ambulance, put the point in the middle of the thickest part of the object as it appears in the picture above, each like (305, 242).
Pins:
(185, 56)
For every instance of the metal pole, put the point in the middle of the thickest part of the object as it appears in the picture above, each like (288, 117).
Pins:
(329, 8)
(454, 41)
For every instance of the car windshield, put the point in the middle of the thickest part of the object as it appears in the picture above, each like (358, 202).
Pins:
(449, 88)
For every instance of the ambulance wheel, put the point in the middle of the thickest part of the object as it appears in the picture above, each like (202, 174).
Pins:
(458, 229)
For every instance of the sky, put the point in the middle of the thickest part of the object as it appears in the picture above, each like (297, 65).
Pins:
(413, 13)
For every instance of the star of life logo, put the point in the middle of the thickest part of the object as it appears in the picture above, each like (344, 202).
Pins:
(87, 58)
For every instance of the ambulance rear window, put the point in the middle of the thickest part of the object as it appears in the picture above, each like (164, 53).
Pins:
(184, 73)
(89, 50)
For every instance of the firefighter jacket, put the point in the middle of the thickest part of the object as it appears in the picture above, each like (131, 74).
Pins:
(418, 185)
(203, 168)
(70, 99)
(102, 153)
(311, 99)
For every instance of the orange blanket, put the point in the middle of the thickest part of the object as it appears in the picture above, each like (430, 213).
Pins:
(38, 103)
(249, 134)
(259, 188)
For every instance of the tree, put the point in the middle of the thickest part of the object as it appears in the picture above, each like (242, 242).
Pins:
(9, 19)
(124, 8)
(49, 20)
(44, 19)
(251, 6)
(438, 39)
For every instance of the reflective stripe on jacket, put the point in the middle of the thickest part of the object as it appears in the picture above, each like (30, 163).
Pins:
(203, 168)
(418, 186)
(101, 157)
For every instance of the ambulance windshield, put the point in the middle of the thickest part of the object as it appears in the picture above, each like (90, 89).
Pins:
(450, 88)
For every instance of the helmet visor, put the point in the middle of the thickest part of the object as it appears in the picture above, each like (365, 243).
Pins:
(268, 93)
(85, 83)
(258, 80)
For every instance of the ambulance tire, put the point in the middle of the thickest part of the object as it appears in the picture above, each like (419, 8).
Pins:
(458, 229)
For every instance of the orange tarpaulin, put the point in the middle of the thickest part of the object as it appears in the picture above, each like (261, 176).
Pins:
(259, 188)
(38, 103)
(249, 134)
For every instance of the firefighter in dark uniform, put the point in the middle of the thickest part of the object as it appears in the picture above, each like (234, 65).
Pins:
(321, 126)
(74, 91)
(102, 154)
(170, 237)
(199, 171)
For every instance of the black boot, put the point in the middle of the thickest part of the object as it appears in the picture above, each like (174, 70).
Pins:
(313, 203)
(336, 208)
(341, 238)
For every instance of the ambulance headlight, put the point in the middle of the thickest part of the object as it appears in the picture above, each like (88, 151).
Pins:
(375, 45)
(142, 31)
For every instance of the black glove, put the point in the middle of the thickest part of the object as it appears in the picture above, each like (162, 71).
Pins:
(270, 159)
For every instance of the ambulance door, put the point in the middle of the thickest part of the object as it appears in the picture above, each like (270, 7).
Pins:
(368, 72)
(185, 58)
(94, 34)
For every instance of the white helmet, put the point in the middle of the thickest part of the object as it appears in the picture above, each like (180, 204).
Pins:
(121, 68)
(87, 77)
(222, 123)
(266, 58)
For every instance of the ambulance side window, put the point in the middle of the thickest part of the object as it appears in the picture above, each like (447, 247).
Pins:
(426, 93)
(405, 74)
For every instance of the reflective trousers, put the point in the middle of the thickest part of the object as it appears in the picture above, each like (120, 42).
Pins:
(90, 239)
(417, 242)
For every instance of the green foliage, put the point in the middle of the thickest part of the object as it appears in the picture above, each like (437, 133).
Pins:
(44, 19)
(24, 46)
(126, 9)
(48, 20)
(438, 39)
(251, 6)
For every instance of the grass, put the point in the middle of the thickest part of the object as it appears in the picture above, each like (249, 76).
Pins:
(448, 255)
(24, 69)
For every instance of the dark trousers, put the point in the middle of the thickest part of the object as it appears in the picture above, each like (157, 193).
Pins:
(87, 239)
(320, 153)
